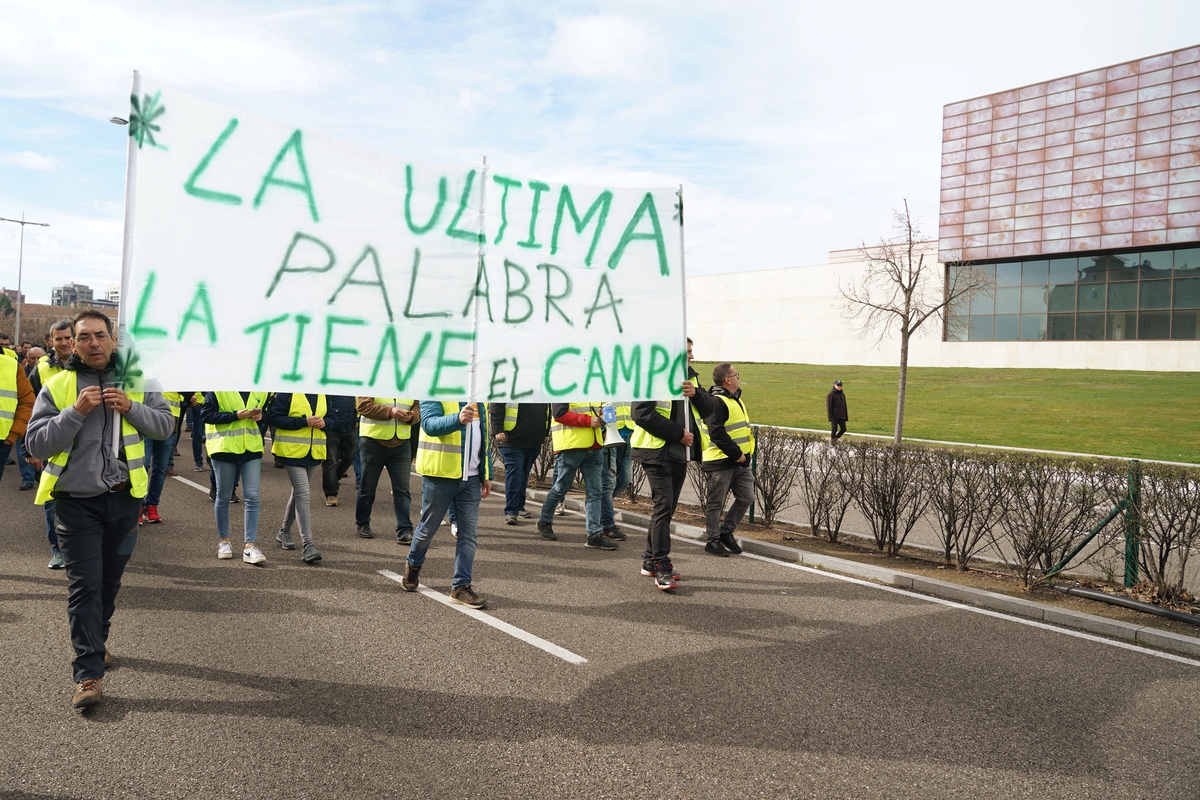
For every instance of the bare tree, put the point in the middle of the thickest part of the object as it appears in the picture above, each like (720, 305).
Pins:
(778, 459)
(899, 291)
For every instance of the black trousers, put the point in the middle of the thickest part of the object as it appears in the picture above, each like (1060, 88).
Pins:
(666, 482)
(96, 536)
(339, 455)
(838, 429)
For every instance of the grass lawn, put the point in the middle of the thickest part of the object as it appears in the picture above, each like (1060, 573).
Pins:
(1154, 415)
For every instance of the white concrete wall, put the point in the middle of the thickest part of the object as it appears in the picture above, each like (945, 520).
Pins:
(796, 315)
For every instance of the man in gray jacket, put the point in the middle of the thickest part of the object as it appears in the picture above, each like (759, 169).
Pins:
(97, 489)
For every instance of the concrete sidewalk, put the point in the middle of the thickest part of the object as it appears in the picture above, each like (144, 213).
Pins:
(993, 601)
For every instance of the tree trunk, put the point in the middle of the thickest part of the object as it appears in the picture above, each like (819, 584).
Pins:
(904, 336)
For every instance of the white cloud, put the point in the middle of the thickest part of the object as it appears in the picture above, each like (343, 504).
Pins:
(599, 47)
(27, 159)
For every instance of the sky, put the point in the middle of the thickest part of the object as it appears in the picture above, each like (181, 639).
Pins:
(795, 128)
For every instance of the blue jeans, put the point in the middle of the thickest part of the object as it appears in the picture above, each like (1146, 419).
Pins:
(51, 535)
(398, 461)
(193, 413)
(5, 450)
(590, 463)
(518, 462)
(227, 473)
(438, 495)
(614, 478)
(158, 455)
(28, 473)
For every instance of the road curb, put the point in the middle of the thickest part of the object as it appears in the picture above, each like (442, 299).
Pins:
(992, 601)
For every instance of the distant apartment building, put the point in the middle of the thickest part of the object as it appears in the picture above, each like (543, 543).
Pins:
(70, 294)
(113, 294)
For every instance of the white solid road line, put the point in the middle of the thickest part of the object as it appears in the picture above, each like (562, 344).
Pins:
(500, 625)
(984, 611)
(193, 484)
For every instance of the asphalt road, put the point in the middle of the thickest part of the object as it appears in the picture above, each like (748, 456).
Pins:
(753, 679)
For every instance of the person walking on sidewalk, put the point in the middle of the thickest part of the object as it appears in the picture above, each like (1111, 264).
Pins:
(97, 488)
(299, 421)
(384, 435)
(518, 429)
(663, 446)
(235, 447)
(727, 462)
(455, 463)
(835, 406)
(577, 434)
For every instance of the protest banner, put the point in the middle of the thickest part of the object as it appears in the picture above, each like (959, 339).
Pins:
(262, 256)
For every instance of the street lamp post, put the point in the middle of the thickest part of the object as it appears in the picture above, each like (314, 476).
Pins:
(20, 265)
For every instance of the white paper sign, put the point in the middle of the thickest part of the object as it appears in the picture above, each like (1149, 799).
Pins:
(262, 256)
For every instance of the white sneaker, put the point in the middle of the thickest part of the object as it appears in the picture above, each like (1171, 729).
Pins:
(454, 529)
(224, 549)
(252, 555)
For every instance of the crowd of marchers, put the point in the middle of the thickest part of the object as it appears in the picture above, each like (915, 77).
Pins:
(98, 457)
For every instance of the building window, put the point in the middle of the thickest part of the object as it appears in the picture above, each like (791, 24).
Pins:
(1149, 295)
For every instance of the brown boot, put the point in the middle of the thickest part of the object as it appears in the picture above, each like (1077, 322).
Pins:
(88, 693)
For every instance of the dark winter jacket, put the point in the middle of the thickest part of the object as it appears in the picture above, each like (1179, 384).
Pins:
(835, 405)
(717, 435)
(645, 415)
(532, 428)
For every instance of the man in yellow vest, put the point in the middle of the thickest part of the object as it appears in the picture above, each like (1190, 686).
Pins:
(518, 429)
(455, 462)
(62, 347)
(97, 489)
(614, 477)
(577, 434)
(727, 462)
(383, 436)
(16, 404)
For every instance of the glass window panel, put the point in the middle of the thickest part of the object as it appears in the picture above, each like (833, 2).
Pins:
(1062, 327)
(1062, 297)
(1187, 259)
(1008, 274)
(980, 329)
(1034, 273)
(1062, 270)
(1155, 294)
(1121, 326)
(1122, 268)
(1033, 300)
(956, 329)
(1187, 293)
(1089, 327)
(1122, 297)
(983, 303)
(1008, 301)
(1091, 297)
(1154, 325)
(1033, 327)
(1007, 327)
(1093, 269)
(1156, 264)
(1183, 325)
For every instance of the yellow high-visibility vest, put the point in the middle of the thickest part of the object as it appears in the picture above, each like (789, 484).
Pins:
(624, 416)
(64, 390)
(8, 395)
(241, 435)
(642, 439)
(386, 430)
(738, 428)
(298, 443)
(45, 371)
(565, 437)
(174, 402)
(442, 456)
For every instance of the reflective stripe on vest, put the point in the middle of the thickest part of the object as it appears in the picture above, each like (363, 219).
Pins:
(8, 395)
(442, 456)
(241, 435)
(566, 437)
(298, 443)
(63, 391)
(510, 416)
(386, 430)
(643, 439)
(175, 401)
(624, 416)
(738, 428)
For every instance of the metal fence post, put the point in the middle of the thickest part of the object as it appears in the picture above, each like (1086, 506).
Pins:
(1132, 524)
